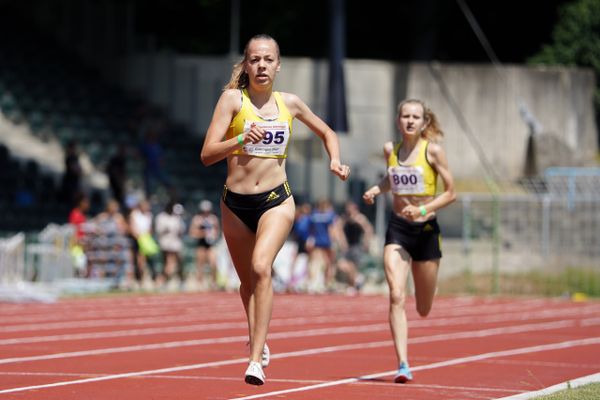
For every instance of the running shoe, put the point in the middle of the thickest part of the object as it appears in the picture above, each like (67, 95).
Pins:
(403, 375)
(254, 374)
(266, 357)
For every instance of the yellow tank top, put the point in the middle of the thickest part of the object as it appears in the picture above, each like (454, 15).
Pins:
(417, 179)
(278, 130)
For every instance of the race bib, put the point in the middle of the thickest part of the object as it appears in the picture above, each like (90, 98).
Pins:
(406, 180)
(274, 143)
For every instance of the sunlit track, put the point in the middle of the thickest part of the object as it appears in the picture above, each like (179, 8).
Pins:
(369, 305)
(72, 315)
(225, 378)
(325, 346)
(304, 333)
(233, 312)
(282, 322)
(100, 320)
(478, 357)
(158, 309)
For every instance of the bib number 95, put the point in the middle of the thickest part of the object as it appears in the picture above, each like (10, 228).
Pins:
(276, 137)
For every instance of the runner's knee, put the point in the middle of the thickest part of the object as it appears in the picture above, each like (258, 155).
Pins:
(262, 270)
(397, 298)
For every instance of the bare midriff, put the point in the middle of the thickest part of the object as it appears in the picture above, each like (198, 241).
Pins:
(251, 175)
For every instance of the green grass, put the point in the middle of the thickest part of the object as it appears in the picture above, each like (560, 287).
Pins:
(569, 282)
(586, 392)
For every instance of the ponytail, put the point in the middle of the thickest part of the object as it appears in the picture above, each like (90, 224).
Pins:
(239, 77)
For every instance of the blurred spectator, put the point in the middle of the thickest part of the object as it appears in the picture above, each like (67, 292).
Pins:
(152, 155)
(322, 237)
(205, 229)
(170, 229)
(71, 181)
(354, 243)
(300, 235)
(116, 170)
(110, 247)
(112, 218)
(140, 228)
(77, 218)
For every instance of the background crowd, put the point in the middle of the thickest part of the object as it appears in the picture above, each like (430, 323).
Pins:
(143, 244)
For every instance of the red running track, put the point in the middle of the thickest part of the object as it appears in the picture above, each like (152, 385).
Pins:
(193, 346)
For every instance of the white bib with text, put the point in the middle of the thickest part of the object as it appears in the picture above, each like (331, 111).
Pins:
(274, 143)
(406, 180)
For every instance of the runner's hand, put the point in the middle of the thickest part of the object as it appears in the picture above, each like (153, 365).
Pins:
(339, 169)
(369, 197)
(254, 135)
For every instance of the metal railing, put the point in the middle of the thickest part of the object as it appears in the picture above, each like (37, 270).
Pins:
(541, 237)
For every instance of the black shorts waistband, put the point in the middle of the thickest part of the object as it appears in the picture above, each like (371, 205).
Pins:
(250, 207)
(255, 200)
(412, 226)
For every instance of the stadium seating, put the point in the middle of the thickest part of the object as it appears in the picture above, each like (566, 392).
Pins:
(58, 97)
(28, 199)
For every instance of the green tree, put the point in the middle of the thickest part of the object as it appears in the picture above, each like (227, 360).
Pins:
(576, 40)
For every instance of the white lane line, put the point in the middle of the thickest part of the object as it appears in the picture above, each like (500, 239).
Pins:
(430, 322)
(180, 329)
(592, 322)
(237, 379)
(584, 380)
(161, 377)
(66, 316)
(199, 342)
(189, 302)
(198, 366)
(299, 353)
(116, 322)
(163, 319)
(193, 317)
(462, 360)
(98, 307)
(547, 364)
(293, 334)
(165, 306)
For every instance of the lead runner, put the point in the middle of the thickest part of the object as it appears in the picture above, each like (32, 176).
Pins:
(251, 127)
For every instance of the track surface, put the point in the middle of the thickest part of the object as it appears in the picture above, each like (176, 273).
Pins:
(193, 346)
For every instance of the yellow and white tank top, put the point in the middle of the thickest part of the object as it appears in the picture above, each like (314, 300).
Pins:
(416, 179)
(278, 130)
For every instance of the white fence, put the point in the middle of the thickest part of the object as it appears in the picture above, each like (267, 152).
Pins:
(50, 259)
(12, 259)
(14, 285)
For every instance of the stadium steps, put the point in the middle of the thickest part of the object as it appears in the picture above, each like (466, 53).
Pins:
(50, 93)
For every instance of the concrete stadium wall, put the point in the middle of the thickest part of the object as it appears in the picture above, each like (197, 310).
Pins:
(478, 107)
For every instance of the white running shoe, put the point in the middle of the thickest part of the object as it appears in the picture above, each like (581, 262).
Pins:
(266, 357)
(255, 374)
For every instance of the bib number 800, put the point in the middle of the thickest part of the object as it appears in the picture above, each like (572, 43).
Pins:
(405, 179)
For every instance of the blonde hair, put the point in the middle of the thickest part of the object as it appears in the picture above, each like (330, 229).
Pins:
(239, 77)
(432, 131)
